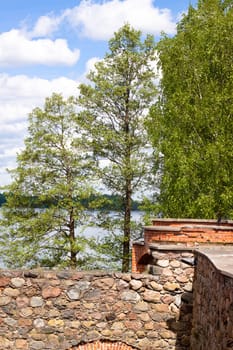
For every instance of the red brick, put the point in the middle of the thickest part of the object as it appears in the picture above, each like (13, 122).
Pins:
(98, 345)
(187, 231)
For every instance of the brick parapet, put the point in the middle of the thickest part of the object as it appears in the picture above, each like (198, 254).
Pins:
(181, 222)
(189, 234)
(186, 232)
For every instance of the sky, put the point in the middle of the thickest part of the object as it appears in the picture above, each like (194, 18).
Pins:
(49, 46)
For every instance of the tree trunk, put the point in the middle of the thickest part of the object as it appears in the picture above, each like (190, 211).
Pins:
(128, 189)
(73, 251)
(127, 229)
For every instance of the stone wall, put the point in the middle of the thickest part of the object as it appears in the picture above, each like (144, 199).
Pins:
(114, 311)
(71, 310)
(213, 306)
(176, 276)
(80, 310)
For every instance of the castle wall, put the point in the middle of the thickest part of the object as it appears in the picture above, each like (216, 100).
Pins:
(213, 305)
(171, 305)
(81, 310)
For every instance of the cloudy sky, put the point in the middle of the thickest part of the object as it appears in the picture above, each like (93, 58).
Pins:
(48, 46)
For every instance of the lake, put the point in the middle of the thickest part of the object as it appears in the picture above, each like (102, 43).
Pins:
(98, 232)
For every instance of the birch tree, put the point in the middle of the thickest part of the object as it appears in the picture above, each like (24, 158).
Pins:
(192, 122)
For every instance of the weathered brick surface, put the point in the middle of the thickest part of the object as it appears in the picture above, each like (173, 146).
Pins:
(206, 234)
(104, 345)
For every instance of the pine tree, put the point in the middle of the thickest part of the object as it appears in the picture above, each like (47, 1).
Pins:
(53, 173)
(115, 104)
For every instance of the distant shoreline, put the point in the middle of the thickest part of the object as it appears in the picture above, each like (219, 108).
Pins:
(114, 202)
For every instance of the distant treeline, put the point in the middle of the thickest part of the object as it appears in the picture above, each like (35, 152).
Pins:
(107, 202)
(2, 199)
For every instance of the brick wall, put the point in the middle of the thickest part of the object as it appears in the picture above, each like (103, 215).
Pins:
(103, 345)
(185, 234)
(188, 232)
(138, 252)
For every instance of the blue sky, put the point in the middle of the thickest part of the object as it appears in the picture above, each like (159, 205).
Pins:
(49, 46)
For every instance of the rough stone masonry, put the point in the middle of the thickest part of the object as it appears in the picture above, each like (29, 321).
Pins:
(65, 309)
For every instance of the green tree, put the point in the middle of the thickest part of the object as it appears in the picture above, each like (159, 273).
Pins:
(191, 124)
(52, 171)
(114, 105)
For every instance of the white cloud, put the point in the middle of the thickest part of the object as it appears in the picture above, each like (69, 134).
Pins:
(16, 49)
(90, 64)
(22, 47)
(24, 86)
(45, 26)
(19, 95)
(100, 20)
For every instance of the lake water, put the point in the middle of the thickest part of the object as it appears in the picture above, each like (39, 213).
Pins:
(98, 232)
(94, 231)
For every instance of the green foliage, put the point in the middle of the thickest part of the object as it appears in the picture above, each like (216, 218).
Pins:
(55, 168)
(56, 171)
(108, 249)
(191, 124)
(114, 108)
(101, 201)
